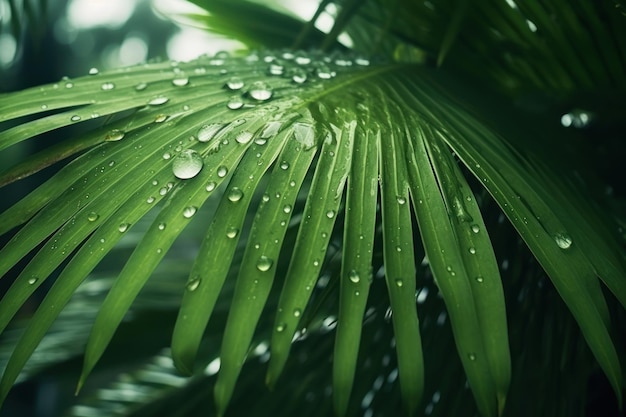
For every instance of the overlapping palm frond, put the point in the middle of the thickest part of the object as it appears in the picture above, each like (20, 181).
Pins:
(297, 152)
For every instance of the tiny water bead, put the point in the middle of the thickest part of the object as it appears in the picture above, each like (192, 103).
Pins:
(235, 194)
(260, 91)
(264, 264)
(472, 250)
(281, 328)
(284, 165)
(141, 86)
(354, 277)
(330, 214)
(401, 200)
(270, 130)
(472, 356)
(193, 284)
(123, 227)
(480, 279)
(32, 280)
(162, 226)
(208, 132)
(93, 71)
(92, 216)
(75, 118)
(188, 212)
(563, 240)
(114, 135)
(475, 228)
(187, 164)
(107, 86)
(150, 200)
(287, 209)
(399, 282)
(232, 232)
(297, 312)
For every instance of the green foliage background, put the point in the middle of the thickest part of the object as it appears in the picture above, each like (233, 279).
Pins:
(402, 225)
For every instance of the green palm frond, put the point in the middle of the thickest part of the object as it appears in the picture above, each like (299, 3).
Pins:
(191, 129)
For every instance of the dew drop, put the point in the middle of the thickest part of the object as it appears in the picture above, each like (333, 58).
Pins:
(284, 165)
(114, 135)
(141, 86)
(264, 264)
(244, 137)
(563, 240)
(180, 81)
(222, 171)
(123, 227)
(401, 200)
(207, 132)
(150, 200)
(162, 226)
(297, 312)
(330, 214)
(235, 103)
(305, 134)
(187, 164)
(234, 83)
(480, 279)
(472, 250)
(211, 186)
(69, 84)
(260, 91)
(232, 232)
(281, 328)
(266, 197)
(93, 71)
(354, 276)
(107, 86)
(32, 280)
(193, 284)
(299, 76)
(399, 282)
(287, 209)
(75, 118)
(235, 194)
(475, 228)
(163, 190)
(160, 118)
(188, 212)
(93, 216)
(157, 101)
(167, 155)
(472, 357)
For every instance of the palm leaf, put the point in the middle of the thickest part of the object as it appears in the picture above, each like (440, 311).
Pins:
(190, 129)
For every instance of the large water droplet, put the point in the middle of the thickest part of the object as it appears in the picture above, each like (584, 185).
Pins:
(222, 171)
(264, 264)
(180, 81)
(234, 83)
(114, 135)
(211, 186)
(123, 227)
(187, 164)
(232, 232)
(188, 212)
(193, 284)
(243, 137)
(207, 132)
(354, 276)
(563, 240)
(235, 194)
(93, 216)
(260, 91)
(235, 103)
(157, 101)
(305, 134)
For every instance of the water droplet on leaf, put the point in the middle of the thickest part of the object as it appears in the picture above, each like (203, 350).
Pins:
(222, 171)
(563, 240)
(243, 137)
(207, 132)
(188, 212)
(260, 91)
(114, 135)
(187, 164)
(235, 194)
(157, 101)
(264, 264)
(234, 83)
(193, 284)
(123, 227)
(354, 276)
(107, 86)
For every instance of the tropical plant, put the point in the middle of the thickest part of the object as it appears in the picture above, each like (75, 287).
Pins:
(350, 199)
